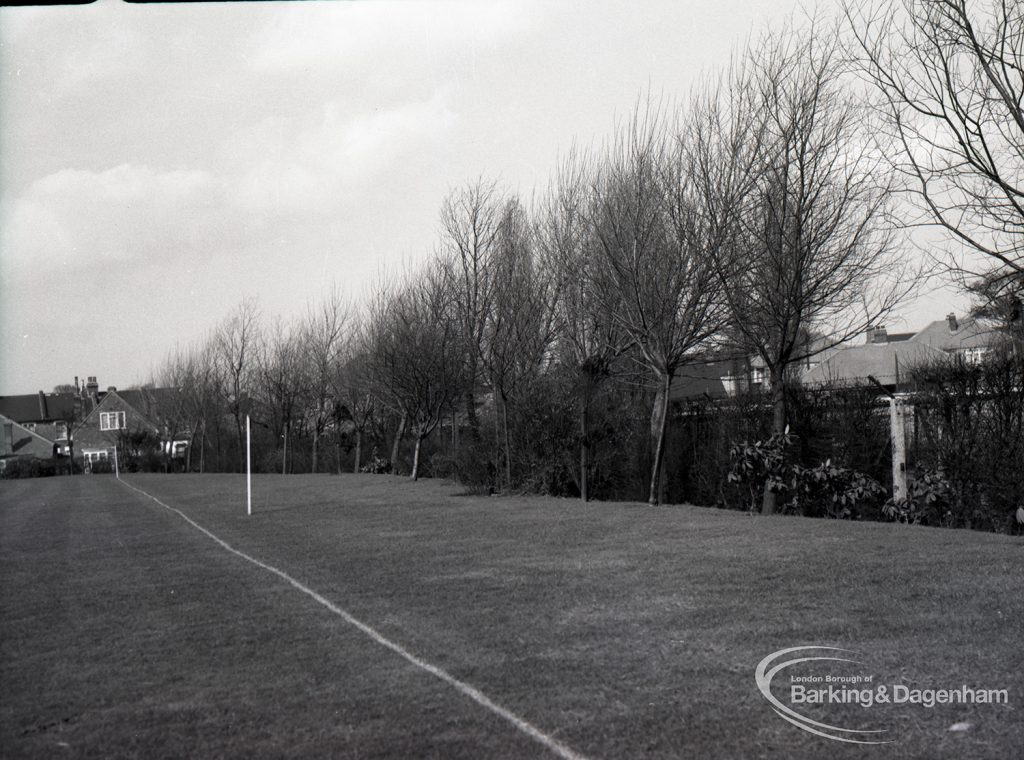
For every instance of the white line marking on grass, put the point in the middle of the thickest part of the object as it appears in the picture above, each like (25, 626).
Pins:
(470, 691)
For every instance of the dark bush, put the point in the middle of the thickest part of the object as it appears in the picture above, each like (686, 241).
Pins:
(969, 430)
(24, 467)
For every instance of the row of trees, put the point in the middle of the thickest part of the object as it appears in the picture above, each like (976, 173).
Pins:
(755, 218)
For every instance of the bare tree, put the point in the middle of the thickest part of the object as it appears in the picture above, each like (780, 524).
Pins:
(951, 79)
(323, 336)
(418, 350)
(282, 379)
(588, 339)
(236, 346)
(353, 387)
(657, 273)
(519, 324)
(470, 227)
(812, 253)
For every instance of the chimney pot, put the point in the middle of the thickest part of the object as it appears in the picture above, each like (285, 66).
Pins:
(880, 335)
(951, 321)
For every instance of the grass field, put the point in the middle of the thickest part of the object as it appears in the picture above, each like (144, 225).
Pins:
(617, 630)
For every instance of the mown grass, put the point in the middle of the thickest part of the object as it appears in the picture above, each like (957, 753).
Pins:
(622, 630)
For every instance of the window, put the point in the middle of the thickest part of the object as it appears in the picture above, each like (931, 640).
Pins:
(112, 421)
(973, 355)
(93, 455)
(757, 376)
(29, 426)
(60, 431)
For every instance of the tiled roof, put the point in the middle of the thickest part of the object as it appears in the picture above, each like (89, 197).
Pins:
(886, 362)
(25, 442)
(970, 333)
(695, 380)
(34, 407)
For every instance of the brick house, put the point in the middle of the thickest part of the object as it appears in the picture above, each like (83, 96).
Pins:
(120, 417)
(20, 442)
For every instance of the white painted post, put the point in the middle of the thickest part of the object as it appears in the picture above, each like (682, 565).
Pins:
(897, 412)
(117, 472)
(248, 467)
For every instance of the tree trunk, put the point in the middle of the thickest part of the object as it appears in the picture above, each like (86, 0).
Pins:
(202, 451)
(316, 450)
(770, 500)
(188, 452)
(584, 446)
(241, 443)
(659, 427)
(284, 451)
(359, 450)
(471, 419)
(416, 458)
(398, 442)
(508, 446)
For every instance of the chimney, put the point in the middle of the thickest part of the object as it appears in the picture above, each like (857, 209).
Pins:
(880, 335)
(951, 321)
(92, 389)
(8, 442)
(42, 405)
(76, 384)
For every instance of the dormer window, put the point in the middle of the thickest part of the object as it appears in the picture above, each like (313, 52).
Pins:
(112, 421)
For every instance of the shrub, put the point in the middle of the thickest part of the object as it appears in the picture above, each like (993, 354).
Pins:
(25, 467)
(927, 502)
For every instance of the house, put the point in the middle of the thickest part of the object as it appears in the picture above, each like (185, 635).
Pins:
(887, 363)
(884, 356)
(19, 442)
(127, 418)
(969, 339)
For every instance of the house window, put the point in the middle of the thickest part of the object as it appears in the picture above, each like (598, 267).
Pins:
(757, 376)
(93, 456)
(29, 426)
(112, 421)
(60, 431)
(973, 355)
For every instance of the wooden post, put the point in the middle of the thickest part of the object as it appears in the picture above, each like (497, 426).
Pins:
(897, 415)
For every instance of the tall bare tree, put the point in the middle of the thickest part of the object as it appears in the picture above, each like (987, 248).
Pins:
(470, 227)
(323, 335)
(283, 382)
(588, 340)
(519, 326)
(236, 351)
(657, 272)
(353, 387)
(951, 78)
(812, 254)
(418, 350)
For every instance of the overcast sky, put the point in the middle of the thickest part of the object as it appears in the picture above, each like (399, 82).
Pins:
(159, 163)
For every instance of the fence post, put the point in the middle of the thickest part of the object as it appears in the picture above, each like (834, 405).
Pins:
(898, 430)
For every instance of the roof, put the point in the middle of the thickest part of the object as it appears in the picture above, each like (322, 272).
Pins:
(37, 407)
(133, 398)
(886, 362)
(970, 333)
(701, 379)
(24, 442)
